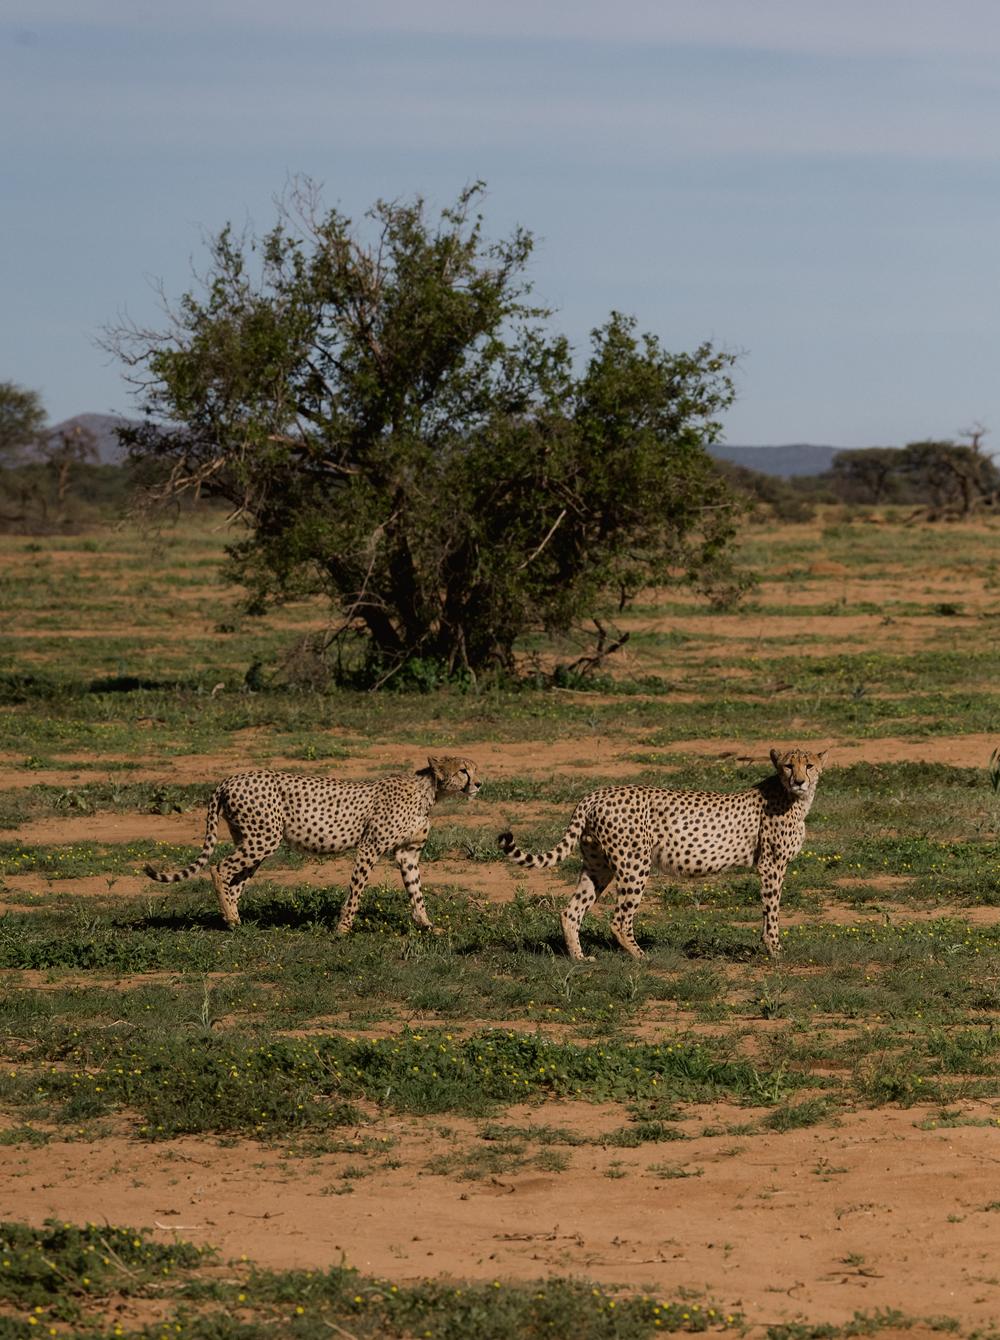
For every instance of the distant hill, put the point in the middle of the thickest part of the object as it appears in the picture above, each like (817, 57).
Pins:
(799, 458)
(103, 427)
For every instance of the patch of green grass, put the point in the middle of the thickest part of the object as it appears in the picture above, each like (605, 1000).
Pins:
(60, 1273)
(862, 1324)
(540, 1134)
(264, 1088)
(672, 1171)
(951, 1117)
(473, 1165)
(42, 801)
(794, 1116)
(80, 859)
(60, 1269)
(642, 1132)
(24, 1135)
(874, 672)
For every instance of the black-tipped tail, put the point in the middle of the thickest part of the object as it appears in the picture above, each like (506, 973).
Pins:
(172, 876)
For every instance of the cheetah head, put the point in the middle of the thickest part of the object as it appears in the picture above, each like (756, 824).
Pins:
(799, 770)
(454, 774)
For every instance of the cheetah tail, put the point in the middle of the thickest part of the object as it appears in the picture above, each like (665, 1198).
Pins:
(211, 838)
(539, 860)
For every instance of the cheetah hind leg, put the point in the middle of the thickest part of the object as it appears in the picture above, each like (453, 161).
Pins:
(594, 879)
(364, 862)
(228, 899)
(228, 879)
(629, 897)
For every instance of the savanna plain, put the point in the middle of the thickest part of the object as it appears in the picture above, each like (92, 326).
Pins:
(279, 1131)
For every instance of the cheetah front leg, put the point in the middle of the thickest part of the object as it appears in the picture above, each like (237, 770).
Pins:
(771, 870)
(408, 860)
(364, 862)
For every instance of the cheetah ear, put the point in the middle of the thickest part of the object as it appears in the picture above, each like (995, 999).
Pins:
(776, 758)
(822, 755)
(437, 769)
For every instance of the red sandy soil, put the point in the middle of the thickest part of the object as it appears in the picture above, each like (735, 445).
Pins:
(811, 1225)
(870, 1212)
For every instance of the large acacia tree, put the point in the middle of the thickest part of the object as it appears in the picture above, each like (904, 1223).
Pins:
(389, 414)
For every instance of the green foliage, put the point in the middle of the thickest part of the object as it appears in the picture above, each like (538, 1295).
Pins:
(22, 417)
(62, 1273)
(787, 499)
(403, 436)
(945, 477)
(869, 475)
(793, 1116)
(950, 477)
(223, 1083)
(61, 1267)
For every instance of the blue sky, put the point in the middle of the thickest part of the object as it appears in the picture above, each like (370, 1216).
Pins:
(814, 185)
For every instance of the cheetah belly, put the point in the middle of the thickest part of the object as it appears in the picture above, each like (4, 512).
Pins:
(698, 851)
(323, 833)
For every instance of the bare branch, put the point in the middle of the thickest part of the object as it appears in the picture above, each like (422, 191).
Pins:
(534, 554)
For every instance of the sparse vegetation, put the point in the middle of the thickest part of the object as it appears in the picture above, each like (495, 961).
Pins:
(62, 1275)
(129, 1014)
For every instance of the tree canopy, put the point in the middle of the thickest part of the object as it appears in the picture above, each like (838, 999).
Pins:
(22, 417)
(947, 478)
(388, 412)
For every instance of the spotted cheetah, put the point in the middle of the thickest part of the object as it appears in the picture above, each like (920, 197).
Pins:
(625, 830)
(319, 814)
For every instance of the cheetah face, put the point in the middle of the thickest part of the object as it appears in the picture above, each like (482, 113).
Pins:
(455, 775)
(799, 770)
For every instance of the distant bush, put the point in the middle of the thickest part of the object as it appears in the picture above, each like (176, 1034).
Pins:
(30, 501)
(940, 478)
(791, 499)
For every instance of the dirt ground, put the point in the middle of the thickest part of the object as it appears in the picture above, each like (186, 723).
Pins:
(815, 1224)
(877, 1210)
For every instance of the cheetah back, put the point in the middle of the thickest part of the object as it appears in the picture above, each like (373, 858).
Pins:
(320, 814)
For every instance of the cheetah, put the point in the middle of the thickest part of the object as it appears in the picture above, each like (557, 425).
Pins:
(625, 830)
(319, 814)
